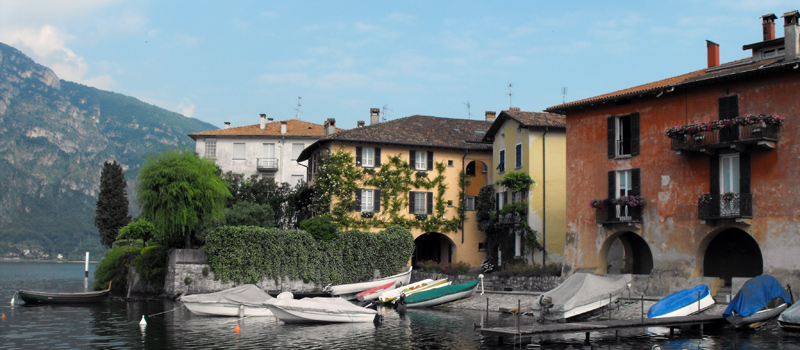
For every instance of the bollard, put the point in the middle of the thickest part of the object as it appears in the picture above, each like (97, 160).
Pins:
(519, 303)
(609, 306)
(642, 307)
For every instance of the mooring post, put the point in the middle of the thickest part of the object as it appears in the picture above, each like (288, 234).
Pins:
(671, 331)
(519, 303)
(487, 310)
(587, 338)
(609, 306)
(86, 274)
(642, 307)
(698, 301)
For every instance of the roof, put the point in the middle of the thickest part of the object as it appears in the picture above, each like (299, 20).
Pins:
(294, 127)
(415, 131)
(531, 120)
(735, 69)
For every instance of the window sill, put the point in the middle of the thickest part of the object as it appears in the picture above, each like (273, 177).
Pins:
(518, 167)
(623, 156)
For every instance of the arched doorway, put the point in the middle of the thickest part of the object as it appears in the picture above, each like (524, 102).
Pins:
(732, 253)
(626, 252)
(434, 247)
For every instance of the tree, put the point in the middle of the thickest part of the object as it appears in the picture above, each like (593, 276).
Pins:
(281, 197)
(112, 203)
(249, 214)
(139, 229)
(177, 191)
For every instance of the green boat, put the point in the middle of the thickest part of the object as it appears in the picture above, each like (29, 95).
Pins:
(33, 297)
(443, 295)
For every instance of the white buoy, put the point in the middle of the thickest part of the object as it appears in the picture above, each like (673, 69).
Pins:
(143, 322)
(86, 266)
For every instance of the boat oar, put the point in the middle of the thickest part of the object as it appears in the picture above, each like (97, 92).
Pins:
(481, 277)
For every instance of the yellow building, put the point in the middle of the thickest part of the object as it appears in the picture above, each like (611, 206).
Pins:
(409, 172)
(533, 143)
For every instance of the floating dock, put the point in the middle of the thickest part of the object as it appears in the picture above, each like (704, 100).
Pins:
(518, 333)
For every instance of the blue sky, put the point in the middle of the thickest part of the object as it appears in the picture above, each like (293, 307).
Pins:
(231, 61)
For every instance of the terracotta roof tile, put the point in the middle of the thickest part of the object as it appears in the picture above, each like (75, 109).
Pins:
(534, 119)
(294, 127)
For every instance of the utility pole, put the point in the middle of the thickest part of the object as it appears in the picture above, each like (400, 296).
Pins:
(509, 95)
(469, 113)
(297, 116)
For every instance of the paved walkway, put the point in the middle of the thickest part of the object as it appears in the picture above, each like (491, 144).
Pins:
(497, 300)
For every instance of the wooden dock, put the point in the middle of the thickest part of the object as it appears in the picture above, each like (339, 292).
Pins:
(517, 334)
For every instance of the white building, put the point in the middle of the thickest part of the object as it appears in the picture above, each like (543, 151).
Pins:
(268, 149)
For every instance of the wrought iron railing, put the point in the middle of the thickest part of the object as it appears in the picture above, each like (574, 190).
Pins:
(725, 137)
(741, 206)
(267, 164)
(618, 214)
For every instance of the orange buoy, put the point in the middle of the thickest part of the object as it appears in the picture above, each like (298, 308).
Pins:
(3, 317)
(237, 328)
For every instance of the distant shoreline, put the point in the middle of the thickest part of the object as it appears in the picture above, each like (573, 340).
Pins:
(48, 261)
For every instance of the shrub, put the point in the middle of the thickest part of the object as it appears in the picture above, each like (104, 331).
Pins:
(521, 269)
(321, 227)
(430, 266)
(140, 229)
(152, 266)
(456, 268)
(114, 268)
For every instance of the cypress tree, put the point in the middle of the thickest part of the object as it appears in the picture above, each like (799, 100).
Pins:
(111, 213)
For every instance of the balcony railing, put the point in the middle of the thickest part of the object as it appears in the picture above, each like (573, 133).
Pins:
(267, 164)
(617, 214)
(726, 137)
(719, 208)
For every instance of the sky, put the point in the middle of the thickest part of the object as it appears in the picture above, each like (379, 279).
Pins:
(231, 61)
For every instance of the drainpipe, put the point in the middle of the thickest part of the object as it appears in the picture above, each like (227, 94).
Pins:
(544, 196)
(464, 189)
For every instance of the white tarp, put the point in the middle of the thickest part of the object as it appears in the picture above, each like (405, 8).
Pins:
(584, 288)
(321, 304)
(246, 294)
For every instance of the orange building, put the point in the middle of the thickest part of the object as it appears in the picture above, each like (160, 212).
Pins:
(692, 176)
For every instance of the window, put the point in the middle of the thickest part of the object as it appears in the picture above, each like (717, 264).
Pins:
(470, 171)
(729, 176)
(238, 151)
(731, 173)
(450, 163)
(623, 183)
(270, 176)
(368, 200)
(368, 157)
(297, 179)
(211, 148)
(481, 247)
(297, 148)
(420, 202)
(518, 156)
(728, 107)
(484, 168)
(470, 203)
(502, 165)
(269, 160)
(623, 135)
(421, 160)
(450, 203)
(501, 199)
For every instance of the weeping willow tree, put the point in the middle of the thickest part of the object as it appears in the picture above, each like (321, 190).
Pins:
(178, 191)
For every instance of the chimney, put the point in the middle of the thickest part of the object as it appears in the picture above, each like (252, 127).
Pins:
(263, 121)
(490, 116)
(713, 53)
(768, 26)
(269, 119)
(791, 35)
(283, 127)
(514, 109)
(360, 124)
(330, 126)
(227, 125)
(374, 116)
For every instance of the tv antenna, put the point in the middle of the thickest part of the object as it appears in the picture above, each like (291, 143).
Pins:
(469, 114)
(509, 95)
(385, 108)
(297, 116)
(563, 94)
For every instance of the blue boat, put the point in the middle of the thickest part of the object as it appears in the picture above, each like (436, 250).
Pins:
(683, 303)
(789, 320)
(760, 299)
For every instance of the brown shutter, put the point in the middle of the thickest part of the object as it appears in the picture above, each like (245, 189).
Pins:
(635, 134)
(611, 134)
(636, 179)
(744, 172)
(714, 179)
(377, 204)
(430, 203)
(377, 157)
(430, 160)
(612, 184)
(358, 156)
(358, 199)
(411, 200)
(412, 159)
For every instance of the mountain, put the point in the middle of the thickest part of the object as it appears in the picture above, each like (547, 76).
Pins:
(55, 136)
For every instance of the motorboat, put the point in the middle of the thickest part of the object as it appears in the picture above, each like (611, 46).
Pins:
(579, 294)
(319, 310)
(374, 293)
(442, 295)
(392, 295)
(349, 290)
(789, 320)
(245, 300)
(760, 299)
(683, 303)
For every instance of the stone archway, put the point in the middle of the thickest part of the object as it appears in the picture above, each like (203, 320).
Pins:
(434, 247)
(730, 253)
(625, 252)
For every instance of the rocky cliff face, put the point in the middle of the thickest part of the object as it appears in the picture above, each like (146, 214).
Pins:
(55, 136)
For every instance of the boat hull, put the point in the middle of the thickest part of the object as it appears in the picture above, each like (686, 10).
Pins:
(683, 303)
(226, 309)
(349, 291)
(444, 299)
(705, 303)
(32, 297)
(761, 316)
(578, 310)
(789, 320)
(420, 286)
(296, 316)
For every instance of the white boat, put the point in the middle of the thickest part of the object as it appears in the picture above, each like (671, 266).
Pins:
(319, 310)
(244, 300)
(442, 295)
(412, 288)
(348, 291)
(683, 303)
(580, 293)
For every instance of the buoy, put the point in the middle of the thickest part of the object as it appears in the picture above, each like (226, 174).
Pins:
(3, 317)
(237, 328)
(143, 322)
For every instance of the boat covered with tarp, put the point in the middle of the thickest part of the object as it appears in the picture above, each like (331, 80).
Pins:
(760, 299)
(244, 300)
(441, 295)
(578, 294)
(683, 303)
(319, 310)
(789, 320)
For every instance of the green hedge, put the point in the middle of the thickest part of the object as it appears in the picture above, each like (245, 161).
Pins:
(114, 268)
(248, 254)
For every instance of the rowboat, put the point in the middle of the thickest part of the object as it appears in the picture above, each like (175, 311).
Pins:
(349, 290)
(374, 293)
(760, 299)
(244, 300)
(441, 295)
(789, 320)
(683, 303)
(319, 310)
(412, 288)
(579, 294)
(34, 297)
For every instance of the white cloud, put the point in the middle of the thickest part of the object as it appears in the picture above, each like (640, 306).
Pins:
(186, 108)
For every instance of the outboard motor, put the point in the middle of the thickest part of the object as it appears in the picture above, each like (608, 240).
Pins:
(400, 304)
(546, 302)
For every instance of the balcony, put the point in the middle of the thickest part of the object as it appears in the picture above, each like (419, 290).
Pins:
(710, 141)
(619, 214)
(267, 164)
(716, 208)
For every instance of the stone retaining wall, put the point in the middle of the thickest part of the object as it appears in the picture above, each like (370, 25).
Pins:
(498, 283)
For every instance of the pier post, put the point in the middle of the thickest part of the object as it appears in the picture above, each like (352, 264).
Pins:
(642, 307)
(587, 338)
(519, 311)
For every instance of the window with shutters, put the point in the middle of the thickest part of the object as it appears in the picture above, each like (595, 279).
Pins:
(420, 203)
(421, 160)
(368, 200)
(624, 183)
(728, 107)
(730, 185)
(211, 148)
(518, 156)
(368, 157)
(501, 166)
(623, 135)
(470, 203)
(238, 151)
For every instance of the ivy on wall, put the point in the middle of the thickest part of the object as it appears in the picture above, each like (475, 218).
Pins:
(248, 254)
(337, 179)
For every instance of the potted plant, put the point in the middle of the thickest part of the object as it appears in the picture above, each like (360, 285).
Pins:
(704, 198)
(601, 204)
(632, 201)
(367, 214)
(730, 196)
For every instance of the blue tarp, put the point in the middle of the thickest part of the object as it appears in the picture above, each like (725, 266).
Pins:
(755, 294)
(677, 300)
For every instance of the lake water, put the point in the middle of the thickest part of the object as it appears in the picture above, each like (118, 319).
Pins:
(115, 325)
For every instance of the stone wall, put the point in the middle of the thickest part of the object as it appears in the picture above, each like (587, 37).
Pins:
(498, 283)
